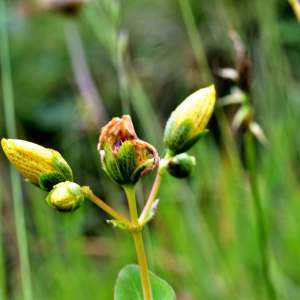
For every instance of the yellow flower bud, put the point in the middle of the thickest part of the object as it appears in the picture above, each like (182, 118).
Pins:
(187, 123)
(42, 167)
(65, 196)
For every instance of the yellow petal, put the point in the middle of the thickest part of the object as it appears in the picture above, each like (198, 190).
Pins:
(30, 159)
(198, 107)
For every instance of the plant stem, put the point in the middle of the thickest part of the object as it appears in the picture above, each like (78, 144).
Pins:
(261, 227)
(160, 172)
(138, 241)
(10, 122)
(89, 194)
(152, 196)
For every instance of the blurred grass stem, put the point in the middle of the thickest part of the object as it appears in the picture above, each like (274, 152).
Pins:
(195, 40)
(2, 259)
(138, 241)
(83, 77)
(260, 220)
(10, 123)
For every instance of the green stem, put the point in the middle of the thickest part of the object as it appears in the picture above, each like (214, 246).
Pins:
(160, 172)
(89, 195)
(10, 122)
(138, 241)
(261, 227)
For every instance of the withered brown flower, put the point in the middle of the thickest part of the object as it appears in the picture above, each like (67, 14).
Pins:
(117, 131)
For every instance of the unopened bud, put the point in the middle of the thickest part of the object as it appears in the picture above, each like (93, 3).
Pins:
(41, 166)
(65, 196)
(181, 165)
(187, 123)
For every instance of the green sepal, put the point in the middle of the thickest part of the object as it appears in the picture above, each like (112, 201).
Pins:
(191, 142)
(75, 190)
(111, 167)
(78, 203)
(49, 179)
(137, 172)
(127, 160)
(169, 128)
(48, 200)
(62, 166)
(181, 165)
(179, 136)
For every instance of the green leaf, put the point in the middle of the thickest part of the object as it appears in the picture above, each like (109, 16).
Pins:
(127, 160)
(129, 287)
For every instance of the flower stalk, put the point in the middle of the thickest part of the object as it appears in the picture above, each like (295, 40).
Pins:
(91, 196)
(138, 242)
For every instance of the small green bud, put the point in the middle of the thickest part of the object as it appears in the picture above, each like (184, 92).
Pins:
(187, 123)
(65, 196)
(181, 165)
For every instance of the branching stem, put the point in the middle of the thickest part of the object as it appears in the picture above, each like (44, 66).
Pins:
(155, 187)
(89, 195)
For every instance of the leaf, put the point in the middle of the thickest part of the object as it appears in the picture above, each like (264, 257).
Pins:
(129, 286)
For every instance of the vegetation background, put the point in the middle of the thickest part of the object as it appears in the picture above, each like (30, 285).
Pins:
(143, 58)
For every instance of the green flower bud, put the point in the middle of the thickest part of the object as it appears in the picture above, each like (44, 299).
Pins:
(124, 157)
(181, 165)
(187, 123)
(41, 166)
(65, 196)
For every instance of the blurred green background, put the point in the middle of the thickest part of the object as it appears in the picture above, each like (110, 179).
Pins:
(72, 73)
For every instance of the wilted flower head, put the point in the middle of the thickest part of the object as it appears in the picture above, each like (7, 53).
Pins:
(65, 196)
(125, 157)
(187, 123)
(42, 167)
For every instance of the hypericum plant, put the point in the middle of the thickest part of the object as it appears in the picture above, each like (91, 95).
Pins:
(125, 158)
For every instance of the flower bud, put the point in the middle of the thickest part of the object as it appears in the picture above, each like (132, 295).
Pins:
(125, 158)
(181, 165)
(65, 196)
(187, 123)
(42, 167)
